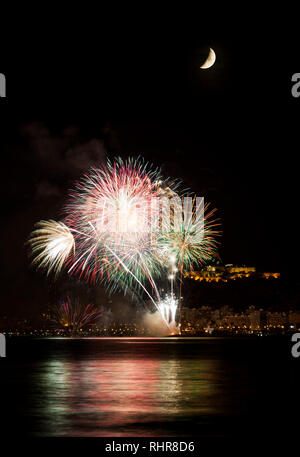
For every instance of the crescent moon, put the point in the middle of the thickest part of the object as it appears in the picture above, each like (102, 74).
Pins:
(210, 59)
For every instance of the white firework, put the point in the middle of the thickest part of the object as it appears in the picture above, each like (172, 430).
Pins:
(51, 243)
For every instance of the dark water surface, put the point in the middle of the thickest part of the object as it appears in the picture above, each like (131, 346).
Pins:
(145, 386)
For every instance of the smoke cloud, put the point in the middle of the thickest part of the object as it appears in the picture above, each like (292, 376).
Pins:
(154, 324)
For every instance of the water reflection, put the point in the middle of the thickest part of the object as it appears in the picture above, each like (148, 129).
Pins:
(118, 391)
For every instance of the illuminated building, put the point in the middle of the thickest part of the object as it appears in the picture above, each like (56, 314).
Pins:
(276, 319)
(236, 321)
(270, 275)
(254, 318)
(218, 273)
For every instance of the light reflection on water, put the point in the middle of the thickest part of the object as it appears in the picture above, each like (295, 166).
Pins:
(116, 391)
(93, 397)
(129, 387)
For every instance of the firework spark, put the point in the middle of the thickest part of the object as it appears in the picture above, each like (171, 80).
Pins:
(110, 215)
(51, 243)
(168, 309)
(193, 242)
(75, 317)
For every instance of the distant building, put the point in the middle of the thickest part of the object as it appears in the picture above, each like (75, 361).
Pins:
(255, 319)
(276, 319)
(218, 273)
(270, 275)
(236, 321)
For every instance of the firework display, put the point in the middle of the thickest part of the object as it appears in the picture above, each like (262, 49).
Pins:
(125, 227)
(168, 310)
(51, 243)
(109, 216)
(75, 317)
(193, 242)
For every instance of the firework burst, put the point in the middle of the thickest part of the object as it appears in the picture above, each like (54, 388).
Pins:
(51, 243)
(193, 242)
(75, 317)
(110, 215)
(125, 226)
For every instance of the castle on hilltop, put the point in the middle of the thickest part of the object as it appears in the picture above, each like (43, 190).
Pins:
(216, 273)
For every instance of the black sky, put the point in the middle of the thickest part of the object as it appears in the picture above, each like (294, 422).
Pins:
(229, 132)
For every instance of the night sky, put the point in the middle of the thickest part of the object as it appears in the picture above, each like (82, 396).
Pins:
(230, 133)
